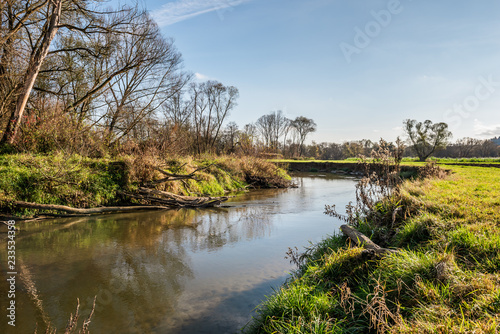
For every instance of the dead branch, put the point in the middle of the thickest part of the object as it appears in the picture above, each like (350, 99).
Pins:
(362, 240)
(179, 197)
(175, 177)
(170, 199)
(54, 207)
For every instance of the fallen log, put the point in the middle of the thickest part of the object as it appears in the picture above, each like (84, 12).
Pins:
(170, 199)
(362, 240)
(55, 207)
(162, 201)
(180, 197)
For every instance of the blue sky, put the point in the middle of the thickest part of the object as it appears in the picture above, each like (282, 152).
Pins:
(358, 68)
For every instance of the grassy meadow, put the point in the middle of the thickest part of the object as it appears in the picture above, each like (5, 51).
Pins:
(404, 160)
(445, 277)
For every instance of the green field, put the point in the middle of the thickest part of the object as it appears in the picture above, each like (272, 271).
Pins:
(405, 160)
(445, 278)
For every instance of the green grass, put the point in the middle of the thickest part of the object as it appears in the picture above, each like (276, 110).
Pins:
(314, 160)
(405, 160)
(444, 279)
(59, 179)
(88, 182)
(466, 160)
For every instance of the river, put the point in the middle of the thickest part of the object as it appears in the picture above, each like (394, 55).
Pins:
(177, 271)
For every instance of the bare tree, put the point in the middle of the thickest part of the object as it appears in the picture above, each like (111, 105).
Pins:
(352, 149)
(265, 127)
(16, 18)
(177, 110)
(426, 137)
(272, 127)
(247, 139)
(51, 17)
(488, 148)
(232, 134)
(50, 32)
(211, 102)
(304, 126)
(466, 146)
(152, 79)
(331, 151)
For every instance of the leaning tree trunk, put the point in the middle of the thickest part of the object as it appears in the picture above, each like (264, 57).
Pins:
(36, 61)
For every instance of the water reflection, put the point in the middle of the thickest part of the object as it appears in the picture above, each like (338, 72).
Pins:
(173, 271)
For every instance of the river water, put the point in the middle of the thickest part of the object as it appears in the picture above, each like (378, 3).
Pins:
(178, 271)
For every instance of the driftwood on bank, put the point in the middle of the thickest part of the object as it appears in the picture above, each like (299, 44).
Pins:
(154, 199)
(160, 200)
(170, 199)
(68, 209)
(362, 240)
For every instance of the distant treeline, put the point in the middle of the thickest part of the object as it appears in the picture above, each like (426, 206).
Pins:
(462, 148)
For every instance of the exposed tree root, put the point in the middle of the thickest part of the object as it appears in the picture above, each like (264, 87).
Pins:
(362, 240)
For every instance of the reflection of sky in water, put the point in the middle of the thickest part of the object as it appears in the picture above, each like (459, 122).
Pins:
(173, 271)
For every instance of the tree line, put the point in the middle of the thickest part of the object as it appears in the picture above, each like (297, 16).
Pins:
(80, 77)
(77, 76)
(461, 148)
(421, 140)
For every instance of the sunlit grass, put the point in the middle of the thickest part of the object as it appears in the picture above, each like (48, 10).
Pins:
(407, 160)
(444, 279)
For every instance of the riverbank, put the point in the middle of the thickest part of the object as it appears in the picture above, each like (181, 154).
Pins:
(342, 167)
(82, 182)
(444, 277)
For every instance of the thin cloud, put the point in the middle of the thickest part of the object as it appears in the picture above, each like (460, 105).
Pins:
(483, 130)
(201, 77)
(181, 10)
(431, 79)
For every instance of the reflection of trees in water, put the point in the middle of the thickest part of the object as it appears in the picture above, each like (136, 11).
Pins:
(137, 280)
(215, 229)
(136, 264)
(144, 288)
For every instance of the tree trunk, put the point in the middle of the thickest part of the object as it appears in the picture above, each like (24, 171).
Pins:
(34, 66)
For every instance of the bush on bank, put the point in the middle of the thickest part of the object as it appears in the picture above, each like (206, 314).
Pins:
(85, 182)
(444, 279)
